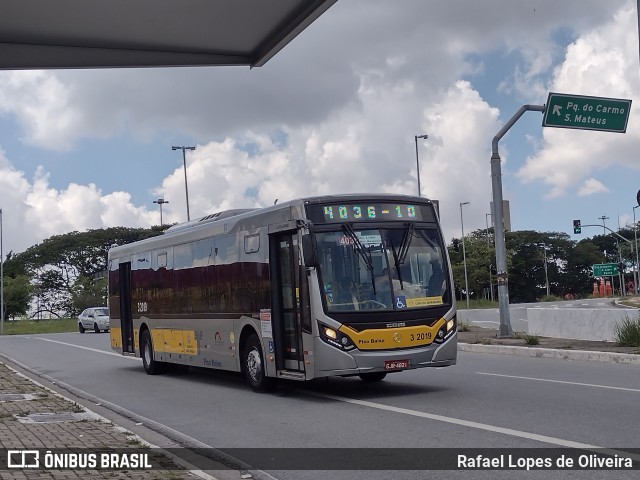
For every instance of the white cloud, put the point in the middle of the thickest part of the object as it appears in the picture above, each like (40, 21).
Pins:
(345, 155)
(592, 186)
(34, 211)
(41, 104)
(426, 44)
(601, 62)
(335, 111)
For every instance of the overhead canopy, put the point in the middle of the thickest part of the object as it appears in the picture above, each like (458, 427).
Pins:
(44, 34)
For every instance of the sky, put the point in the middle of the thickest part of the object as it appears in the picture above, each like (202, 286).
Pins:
(336, 111)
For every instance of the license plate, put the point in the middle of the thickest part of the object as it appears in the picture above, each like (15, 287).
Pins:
(396, 364)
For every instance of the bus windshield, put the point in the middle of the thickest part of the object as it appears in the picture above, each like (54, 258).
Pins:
(382, 268)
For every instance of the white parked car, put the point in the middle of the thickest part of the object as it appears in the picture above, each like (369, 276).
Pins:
(94, 318)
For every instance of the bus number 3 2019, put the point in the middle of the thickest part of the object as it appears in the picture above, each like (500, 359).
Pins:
(416, 337)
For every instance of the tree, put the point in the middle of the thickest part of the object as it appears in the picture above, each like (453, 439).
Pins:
(56, 264)
(578, 277)
(17, 295)
(480, 255)
(568, 264)
(89, 292)
(527, 278)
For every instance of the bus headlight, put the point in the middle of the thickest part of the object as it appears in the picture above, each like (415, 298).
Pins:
(330, 333)
(446, 331)
(335, 338)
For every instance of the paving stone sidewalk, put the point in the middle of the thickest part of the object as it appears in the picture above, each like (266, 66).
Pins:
(21, 398)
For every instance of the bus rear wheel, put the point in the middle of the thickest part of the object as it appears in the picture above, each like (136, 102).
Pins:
(254, 367)
(151, 366)
(372, 377)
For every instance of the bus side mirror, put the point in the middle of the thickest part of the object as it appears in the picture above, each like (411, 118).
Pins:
(309, 251)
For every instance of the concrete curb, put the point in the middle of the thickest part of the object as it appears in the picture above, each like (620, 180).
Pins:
(582, 355)
(238, 467)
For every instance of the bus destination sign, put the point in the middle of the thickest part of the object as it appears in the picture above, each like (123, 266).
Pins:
(369, 212)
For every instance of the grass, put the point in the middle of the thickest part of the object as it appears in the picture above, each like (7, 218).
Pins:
(627, 333)
(631, 301)
(28, 327)
(550, 298)
(474, 303)
(531, 339)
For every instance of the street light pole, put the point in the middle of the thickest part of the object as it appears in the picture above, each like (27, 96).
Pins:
(620, 271)
(161, 201)
(416, 137)
(603, 218)
(184, 161)
(546, 273)
(486, 217)
(464, 255)
(636, 270)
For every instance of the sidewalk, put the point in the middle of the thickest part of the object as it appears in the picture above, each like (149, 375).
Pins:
(485, 340)
(64, 424)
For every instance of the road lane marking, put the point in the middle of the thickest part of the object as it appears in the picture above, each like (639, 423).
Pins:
(87, 348)
(561, 381)
(480, 426)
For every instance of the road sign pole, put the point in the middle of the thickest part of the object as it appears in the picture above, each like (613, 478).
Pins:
(498, 222)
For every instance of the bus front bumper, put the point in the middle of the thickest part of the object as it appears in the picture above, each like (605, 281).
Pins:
(356, 362)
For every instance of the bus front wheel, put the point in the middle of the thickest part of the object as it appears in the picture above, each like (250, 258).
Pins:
(151, 366)
(372, 377)
(254, 366)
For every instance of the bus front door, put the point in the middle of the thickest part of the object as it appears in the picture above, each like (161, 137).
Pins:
(285, 301)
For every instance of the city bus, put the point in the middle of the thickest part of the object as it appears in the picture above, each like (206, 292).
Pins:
(350, 285)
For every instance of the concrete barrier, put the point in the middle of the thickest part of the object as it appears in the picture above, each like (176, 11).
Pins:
(577, 323)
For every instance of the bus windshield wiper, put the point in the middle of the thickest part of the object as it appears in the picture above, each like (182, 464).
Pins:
(406, 243)
(400, 255)
(363, 252)
(396, 261)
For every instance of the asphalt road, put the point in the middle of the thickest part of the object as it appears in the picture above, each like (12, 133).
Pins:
(488, 401)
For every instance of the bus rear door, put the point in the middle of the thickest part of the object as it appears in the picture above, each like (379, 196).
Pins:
(126, 322)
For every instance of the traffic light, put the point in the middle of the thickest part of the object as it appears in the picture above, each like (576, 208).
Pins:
(576, 227)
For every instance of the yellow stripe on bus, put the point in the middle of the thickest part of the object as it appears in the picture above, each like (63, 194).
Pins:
(389, 338)
(164, 340)
(116, 337)
(170, 340)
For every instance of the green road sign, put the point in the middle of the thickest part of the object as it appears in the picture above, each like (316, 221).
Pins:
(586, 113)
(605, 269)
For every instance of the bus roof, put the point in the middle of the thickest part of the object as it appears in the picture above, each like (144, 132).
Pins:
(242, 218)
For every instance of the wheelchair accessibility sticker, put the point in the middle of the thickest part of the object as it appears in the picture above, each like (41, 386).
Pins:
(401, 302)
